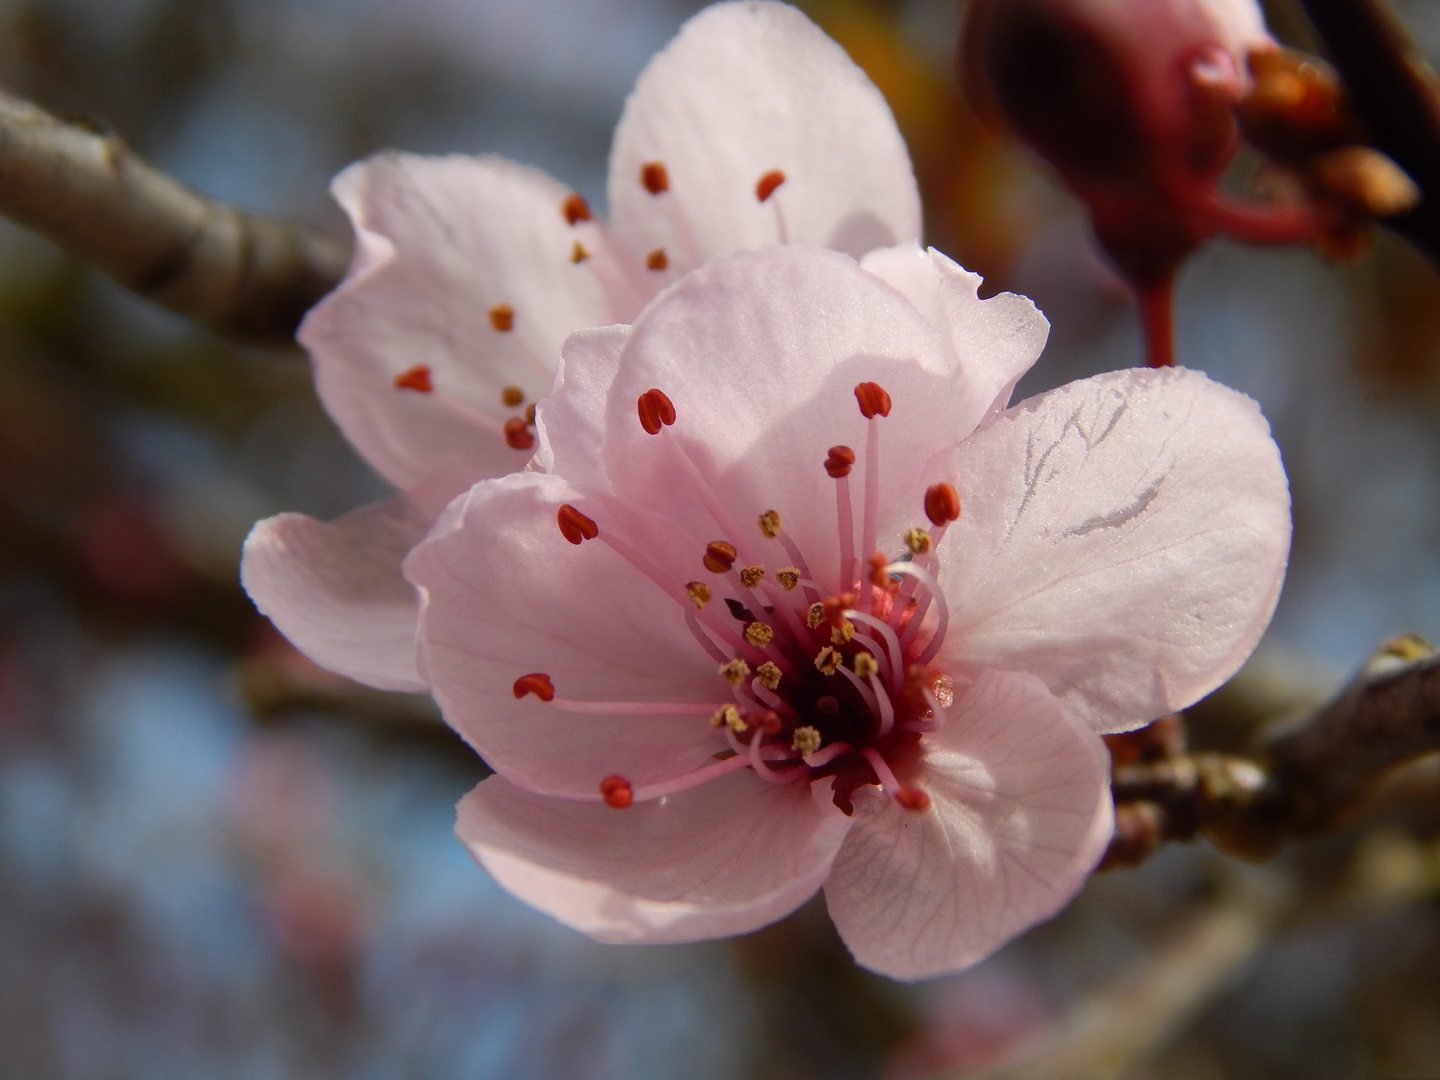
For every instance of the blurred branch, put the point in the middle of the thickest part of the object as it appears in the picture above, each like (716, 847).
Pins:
(1309, 776)
(1396, 94)
(83, 188)
(1115, 1030)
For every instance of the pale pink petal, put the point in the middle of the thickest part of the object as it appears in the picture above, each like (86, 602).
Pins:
(1123, 537)
(504, 594)
(746, 89)
(761, 355)
(1020, 813)
(440, 243)
(335, 589)
(725, 858)
(571, 421)
(995, 341)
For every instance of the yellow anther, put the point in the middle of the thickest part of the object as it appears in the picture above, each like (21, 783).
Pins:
(843, 632)
(827, 660)
(807, 740)
(769, 675)
(769, 523)
(815, 616)
(735, 671)
(512, 397)
(917, 540)
(751, 575)
(759, 634)
(788, 576)
(865, 665)
(727, 716)
(699, 592)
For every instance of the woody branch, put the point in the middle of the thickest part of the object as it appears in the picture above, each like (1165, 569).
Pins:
(84, 189)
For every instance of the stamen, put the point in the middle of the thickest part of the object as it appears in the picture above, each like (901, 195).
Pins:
(838, 461)
(751, 575)
(530, 413)
(759, 634)
(692, 779)
(892, 643)
(942, 504)
(827, 660)
(917, 541)
(699, 592)
(575, 208)
(842, 632)
(769, 523)
(769, 675)
(873, 399)
(729, 717)
(766, 185)
(762, 770)
(416, 378)
(932, 593)
(772, 699)
(702, 489)
(657, 260)
(766, 720)
(654, 177)
(878, 575)
(578, 254)
(719, 556)
(635, 708)
(788, 577)
(702, 636)
(734, 671)
(862, 688)
(806, 740)
(502, 317)
(512, 397)
(845, 522)
(538, 684)
(656, 411)
(827, 754)
(517, 433)
(865, 664)
(575, 526)
(815, 616)
(835, 607)
(616, 792)
(907, 797)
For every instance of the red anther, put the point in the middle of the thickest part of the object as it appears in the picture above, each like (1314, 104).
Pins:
(575, 526)
(417, 378)
(655, 410)
(502, 317)
(657, 260)
(767, 720)
(873, 400)
(878, 577)
(575, 208)
(578, 254)
(942, 504)
(517, 433)
(836, 606)
(537, 683)
(719, 556)
(654, 177)
(912, 798)
(766, 185)
(616, 792)
(838, 463)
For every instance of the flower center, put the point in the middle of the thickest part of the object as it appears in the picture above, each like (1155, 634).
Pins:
(810, 682)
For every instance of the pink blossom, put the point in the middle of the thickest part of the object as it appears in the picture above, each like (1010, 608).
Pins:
(693, 728)
(750, 128)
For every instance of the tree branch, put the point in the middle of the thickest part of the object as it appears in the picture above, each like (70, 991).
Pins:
(239, 273)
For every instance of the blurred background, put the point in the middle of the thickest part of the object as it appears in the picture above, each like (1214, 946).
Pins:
(218, 861)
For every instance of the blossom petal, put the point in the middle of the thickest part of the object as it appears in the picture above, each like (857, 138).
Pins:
(449, 251)
(1019, 814)
(744, 90)
(724, 858)
(335, 589)
(763, 383)
(1123, 537)
(571, 421)
(503, 594)
(995, 341)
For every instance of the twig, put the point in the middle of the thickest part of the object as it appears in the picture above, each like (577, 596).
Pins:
(1395, 94)
(241, 274)
(1112, 1032)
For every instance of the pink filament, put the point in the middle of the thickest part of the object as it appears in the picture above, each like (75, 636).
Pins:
(872, 506)
(637, 708)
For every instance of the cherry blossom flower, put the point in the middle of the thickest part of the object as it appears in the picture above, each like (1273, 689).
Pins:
(787, 601)
(750, 128)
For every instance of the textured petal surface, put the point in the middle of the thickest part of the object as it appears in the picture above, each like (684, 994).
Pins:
(440, 244)
(336, 591)
(1123, 537)
(1019, 814)
(761, 355)
(724, 858)
(505, 595)
(995, 341)
(571, 421)
(745, 89)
